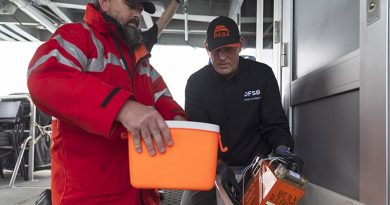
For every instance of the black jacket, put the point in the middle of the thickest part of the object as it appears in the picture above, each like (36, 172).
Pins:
(247, 108)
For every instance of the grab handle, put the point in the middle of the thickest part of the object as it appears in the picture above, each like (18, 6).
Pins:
(221, 147)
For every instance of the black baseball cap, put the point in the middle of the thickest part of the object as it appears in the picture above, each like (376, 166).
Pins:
(148, 5)
(222, 32)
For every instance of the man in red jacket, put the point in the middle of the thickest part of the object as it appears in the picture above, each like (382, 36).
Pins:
(95, 78)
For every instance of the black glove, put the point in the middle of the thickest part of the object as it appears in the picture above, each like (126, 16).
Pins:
(229, 182)
(294, 162)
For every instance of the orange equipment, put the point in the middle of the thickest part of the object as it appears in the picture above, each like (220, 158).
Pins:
(272, 183)
(267, 181)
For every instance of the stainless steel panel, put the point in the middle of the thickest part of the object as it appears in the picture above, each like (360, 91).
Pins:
(323, 32)
(352, 125)
(320, 196)
(326, 134)
(373, 106)
(340, 76)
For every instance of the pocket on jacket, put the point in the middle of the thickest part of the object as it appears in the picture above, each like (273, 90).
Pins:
(97, 175)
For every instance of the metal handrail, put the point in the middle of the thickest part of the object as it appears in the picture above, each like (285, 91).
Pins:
(18, 161)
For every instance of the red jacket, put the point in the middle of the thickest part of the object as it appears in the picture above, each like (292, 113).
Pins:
(79, 77)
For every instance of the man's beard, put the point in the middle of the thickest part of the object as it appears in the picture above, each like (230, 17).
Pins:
(132, 36)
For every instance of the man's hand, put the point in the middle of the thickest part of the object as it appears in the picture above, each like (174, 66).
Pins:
(283, 151)
(296, 163)
(146, 122)
(179, 118)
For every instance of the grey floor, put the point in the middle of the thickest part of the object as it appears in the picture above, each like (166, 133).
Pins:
(23, 192)
(27, 192)
(171, 197)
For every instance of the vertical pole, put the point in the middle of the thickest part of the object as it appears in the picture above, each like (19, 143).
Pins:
(259, 29)
(32, 142)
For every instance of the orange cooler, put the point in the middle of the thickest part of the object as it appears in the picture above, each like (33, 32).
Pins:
(190, 164)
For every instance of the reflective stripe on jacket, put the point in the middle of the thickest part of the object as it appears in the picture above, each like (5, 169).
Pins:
(80, 77)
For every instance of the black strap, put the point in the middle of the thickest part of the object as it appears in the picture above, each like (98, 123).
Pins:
(122, 56)
(110, 96)
(132, 61)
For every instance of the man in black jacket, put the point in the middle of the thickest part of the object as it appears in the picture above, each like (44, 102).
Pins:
(239, 95)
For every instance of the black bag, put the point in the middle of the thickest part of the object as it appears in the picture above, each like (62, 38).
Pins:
(44, 198)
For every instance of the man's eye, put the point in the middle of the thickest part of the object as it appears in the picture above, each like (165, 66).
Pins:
(134, 7)
(229, 49)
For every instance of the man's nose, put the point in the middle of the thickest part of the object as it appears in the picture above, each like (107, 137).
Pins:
(138, 15)
(222, 54)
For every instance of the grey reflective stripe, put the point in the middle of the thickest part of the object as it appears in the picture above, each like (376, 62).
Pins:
(88, 65)
(60, 58)
(164, 92)
(154, 75)
(95, 64)
(73, 50)
(113, 59)
(151, 73)
(99, 64)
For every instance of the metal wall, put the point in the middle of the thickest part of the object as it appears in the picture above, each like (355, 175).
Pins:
(327, 135)
(325, 92)
(323, 32)
(374, 104)
(340, 98)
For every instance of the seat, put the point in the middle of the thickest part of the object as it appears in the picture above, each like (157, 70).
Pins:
(6, 149)
(12, 126)
(26, 127)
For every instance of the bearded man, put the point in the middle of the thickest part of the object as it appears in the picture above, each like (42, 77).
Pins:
(95, 79)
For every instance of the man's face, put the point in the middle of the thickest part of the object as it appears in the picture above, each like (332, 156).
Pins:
(225, 60)
(128, 15)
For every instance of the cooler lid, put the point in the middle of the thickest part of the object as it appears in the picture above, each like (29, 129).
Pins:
(193, 125)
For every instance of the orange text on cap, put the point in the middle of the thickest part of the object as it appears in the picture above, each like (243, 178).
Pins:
(221, 31)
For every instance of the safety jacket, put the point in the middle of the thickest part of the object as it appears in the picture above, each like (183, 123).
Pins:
(82, 76)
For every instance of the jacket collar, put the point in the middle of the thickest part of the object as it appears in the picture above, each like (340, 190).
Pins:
(95, 19)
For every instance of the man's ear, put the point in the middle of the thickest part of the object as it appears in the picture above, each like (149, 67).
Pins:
(206, 46)
(104, 5)
(241, 43)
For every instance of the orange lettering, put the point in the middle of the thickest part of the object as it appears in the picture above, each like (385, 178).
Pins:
(221, 34)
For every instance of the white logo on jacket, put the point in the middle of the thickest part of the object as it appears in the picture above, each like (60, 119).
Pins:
(252, 95)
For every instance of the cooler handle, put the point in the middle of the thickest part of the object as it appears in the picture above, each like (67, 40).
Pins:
(221, 147)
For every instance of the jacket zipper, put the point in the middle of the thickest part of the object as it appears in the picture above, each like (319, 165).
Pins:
(131, 76)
